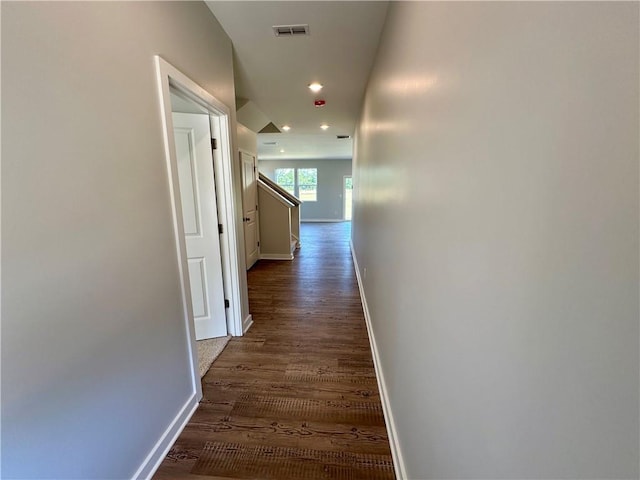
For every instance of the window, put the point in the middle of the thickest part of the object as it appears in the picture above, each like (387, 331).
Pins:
(308, 184)
(301, 182)
(285, 177)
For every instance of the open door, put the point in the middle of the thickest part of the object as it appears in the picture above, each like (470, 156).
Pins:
(200, 219)
(249, 208)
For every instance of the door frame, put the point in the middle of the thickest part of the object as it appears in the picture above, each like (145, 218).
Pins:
(170, 78)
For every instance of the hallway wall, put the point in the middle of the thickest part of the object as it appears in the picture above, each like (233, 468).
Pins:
(94, 349)
(496, 215)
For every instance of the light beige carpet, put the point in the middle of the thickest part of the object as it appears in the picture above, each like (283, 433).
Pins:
(208, 351)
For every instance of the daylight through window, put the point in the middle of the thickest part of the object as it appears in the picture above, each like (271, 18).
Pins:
(308, 184)
(301, 182)
(285, 177)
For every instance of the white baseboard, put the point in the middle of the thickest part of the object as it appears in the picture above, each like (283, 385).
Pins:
(166, 440)
(398, 462)
(276, 256)
(323, 220)
(246, 324)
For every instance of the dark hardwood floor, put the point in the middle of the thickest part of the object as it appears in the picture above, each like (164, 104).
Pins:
(296, 397)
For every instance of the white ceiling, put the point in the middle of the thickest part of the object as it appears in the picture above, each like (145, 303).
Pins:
(302, 146)
(274, 72)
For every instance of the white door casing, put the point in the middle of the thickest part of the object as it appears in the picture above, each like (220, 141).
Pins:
(171, 80)
(249, 208)
(200, 218)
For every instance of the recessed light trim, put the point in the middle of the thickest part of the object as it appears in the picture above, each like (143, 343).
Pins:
(315, 87)
(324, 126)
(286, 128)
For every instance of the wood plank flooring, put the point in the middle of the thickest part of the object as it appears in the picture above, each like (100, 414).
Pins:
(296, 397)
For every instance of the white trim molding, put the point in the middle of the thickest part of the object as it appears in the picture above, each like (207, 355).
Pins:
(170, 78)
(246, 324)
(276, 256)
(159, 451)
(396, 453)
(323, 220)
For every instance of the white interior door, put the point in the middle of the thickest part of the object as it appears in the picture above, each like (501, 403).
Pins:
(249, 204)
(200, 218)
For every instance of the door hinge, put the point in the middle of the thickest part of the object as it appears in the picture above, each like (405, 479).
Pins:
(258, 243)
(220, 229)
(214, 144)
(226, 303)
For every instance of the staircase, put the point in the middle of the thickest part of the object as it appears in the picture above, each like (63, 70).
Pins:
(279, 220)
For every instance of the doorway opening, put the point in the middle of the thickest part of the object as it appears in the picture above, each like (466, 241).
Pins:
(348, 197)
(205, 118)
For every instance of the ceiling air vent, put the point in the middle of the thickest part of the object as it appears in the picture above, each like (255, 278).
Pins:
(290, 30)
(342, 137)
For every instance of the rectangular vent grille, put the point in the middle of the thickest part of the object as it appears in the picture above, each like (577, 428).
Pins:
(290, 30)
(342, 137)
(270, 143)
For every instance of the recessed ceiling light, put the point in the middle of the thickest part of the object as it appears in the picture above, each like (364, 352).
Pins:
(286, 128)
(281, 150)
(324, 126)
(315, 87)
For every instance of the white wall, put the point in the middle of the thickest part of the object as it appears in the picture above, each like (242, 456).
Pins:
(94, 350)
(331, 173)
(247, 141)
(496, 177)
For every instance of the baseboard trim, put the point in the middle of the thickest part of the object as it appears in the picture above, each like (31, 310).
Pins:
(396, 453)
(276, 256)
(246, 324)
(166, 440)
(323, 220)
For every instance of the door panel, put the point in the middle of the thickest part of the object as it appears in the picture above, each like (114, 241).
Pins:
(249, 204)
(197, 279)
(200, 217)
(185, 142)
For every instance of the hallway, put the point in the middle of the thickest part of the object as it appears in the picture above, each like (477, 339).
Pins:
(296, 397)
